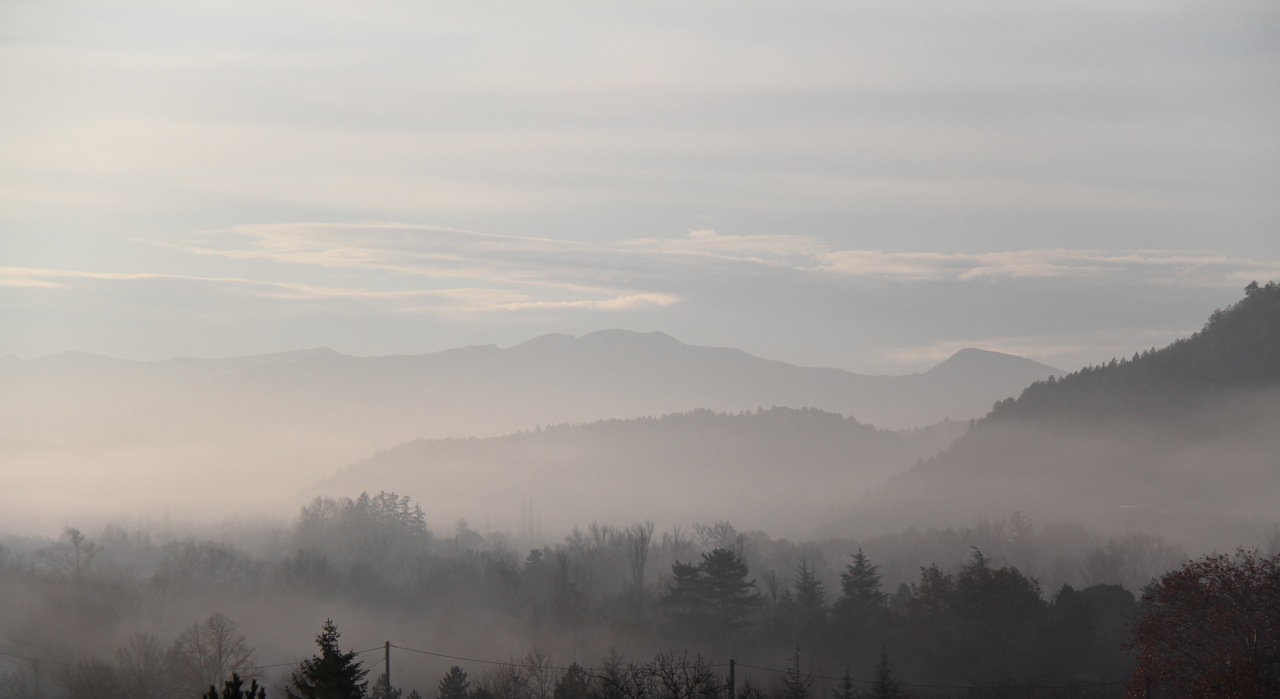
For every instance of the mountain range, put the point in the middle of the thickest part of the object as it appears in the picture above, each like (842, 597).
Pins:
(74, 426)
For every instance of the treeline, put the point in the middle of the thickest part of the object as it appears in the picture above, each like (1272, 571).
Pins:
(950, 607)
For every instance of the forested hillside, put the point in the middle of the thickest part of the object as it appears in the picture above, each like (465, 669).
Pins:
(1238, 349)
(1181, 439)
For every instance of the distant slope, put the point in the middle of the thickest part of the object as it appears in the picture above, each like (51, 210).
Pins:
(779, 469)
(354, 405)
(1186, 437)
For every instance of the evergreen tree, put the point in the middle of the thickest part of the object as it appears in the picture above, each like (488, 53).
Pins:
(796, 685)
(886, 686)
(575, 683)
(713, 597)
(860, 583)
(730, 595)
(846, 690)
(380, 690)
(454, 684)
(862, 606)
(234, 689)
(810, 604)
(330, 675)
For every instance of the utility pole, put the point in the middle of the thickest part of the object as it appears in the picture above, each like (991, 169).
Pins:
(733, 689)
(387, 658)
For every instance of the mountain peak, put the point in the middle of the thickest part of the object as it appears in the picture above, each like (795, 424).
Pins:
(972, 361)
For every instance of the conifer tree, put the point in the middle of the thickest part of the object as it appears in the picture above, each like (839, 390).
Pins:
(846, 690)
(796, 684)
(234, 689)
(454, 684)
(381, 691)
(885, 686)
(332, 674)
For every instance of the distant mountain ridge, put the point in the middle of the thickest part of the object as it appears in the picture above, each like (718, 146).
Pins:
(75, 426)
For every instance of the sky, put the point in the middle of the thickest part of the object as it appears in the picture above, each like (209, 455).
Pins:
(858, 184)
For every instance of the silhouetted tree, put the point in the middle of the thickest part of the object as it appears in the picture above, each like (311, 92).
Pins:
(575, 683)
(1212, 629)
(454, 684)
(234, 689)
(845, 689)
(206, 653)
(332, 674)
(810, 602)
(381, 691)
(860, 614)
(885, 686)
(796, 684)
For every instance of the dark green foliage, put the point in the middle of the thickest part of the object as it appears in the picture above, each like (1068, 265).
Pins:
(234, 689)
(454, 684)
(332, 674)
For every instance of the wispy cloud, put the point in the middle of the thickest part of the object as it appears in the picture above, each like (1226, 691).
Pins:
(431, 269)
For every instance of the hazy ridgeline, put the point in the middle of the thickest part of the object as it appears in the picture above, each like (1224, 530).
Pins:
(1002, 601)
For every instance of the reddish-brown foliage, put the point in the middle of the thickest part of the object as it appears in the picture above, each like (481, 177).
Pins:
(1211, 629)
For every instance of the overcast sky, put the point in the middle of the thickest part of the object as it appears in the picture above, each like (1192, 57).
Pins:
(868, 185)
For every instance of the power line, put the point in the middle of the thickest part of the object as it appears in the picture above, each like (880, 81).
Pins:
(514, 663)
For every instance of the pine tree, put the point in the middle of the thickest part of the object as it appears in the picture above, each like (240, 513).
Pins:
(886, 686)
(330, 675)
(861, 601)
(454, 684)
(797, 685)
(860, 583)
(729, 594)
(846, 690)
(810, 604)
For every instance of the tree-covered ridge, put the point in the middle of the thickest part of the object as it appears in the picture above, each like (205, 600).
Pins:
(1239, 347)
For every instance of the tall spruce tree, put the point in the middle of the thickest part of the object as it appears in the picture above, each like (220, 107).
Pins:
(810, 606)
(861, 600)
(332, 674)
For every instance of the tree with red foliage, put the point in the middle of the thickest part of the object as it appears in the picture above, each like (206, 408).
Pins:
(1211, 629)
